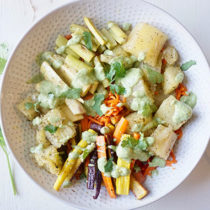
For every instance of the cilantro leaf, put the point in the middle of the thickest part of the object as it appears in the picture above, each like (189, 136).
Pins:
(51, 128)
(28, 105)
(87, 39)
(129, 142)
(116, 70)
(120, 90)
(110, 74)
(119, 69)
(88, 104)
(187, 65)
(109, 165)
(98, 98)
(36, 79)
(72, 93)
(3, 146)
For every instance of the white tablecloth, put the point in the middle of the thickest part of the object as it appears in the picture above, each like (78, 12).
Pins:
(194, 193)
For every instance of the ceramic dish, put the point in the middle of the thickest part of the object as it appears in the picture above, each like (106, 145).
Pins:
(21, 66)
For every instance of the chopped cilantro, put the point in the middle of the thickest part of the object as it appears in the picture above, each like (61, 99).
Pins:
(143, 143)
(119, 69)
(87, 39)
(187, 65)
(72, 93)
(110, 74)
(129, 142)
(98, 99)
(28, 105)
(109, 165)
(120, 90)
(51, 128)
(116, 70)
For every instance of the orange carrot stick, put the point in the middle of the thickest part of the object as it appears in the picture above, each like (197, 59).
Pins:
(120, 129)
(101, 149)
(84, 124)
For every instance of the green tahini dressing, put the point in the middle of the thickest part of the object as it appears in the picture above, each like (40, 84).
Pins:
(128, 153)
(190, 100)
(130, 80)
(116, 172)
(89, 137)
(82, 78)
(182, 112)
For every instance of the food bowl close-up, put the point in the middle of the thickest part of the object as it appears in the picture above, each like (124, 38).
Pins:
(21, 66)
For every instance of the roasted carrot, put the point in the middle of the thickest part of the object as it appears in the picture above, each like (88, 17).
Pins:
(179, 133)
(136, 135)
(88, 97)
(68, 36)
(138, 175)
(148, 171)
(180, 91)
(101, 149)
(94, 120)
(84, 124)
(132, 164)
(120, 129)
(173, 160)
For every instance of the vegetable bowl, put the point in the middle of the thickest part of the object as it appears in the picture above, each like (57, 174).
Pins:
(136, 102)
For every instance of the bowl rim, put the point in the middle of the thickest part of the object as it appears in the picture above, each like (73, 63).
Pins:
(19, 42)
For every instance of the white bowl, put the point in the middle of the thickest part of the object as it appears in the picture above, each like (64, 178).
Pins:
(21, 66)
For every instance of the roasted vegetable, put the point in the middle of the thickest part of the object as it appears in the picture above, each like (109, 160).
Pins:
(96, 127)
(27, 108)
(147, 39)
(138, 190)
(164, 139)
(92, 168)
(173, 76)
(116, 32)
(101, 149)
(174, 112)
(98, 35)
(98, 184)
